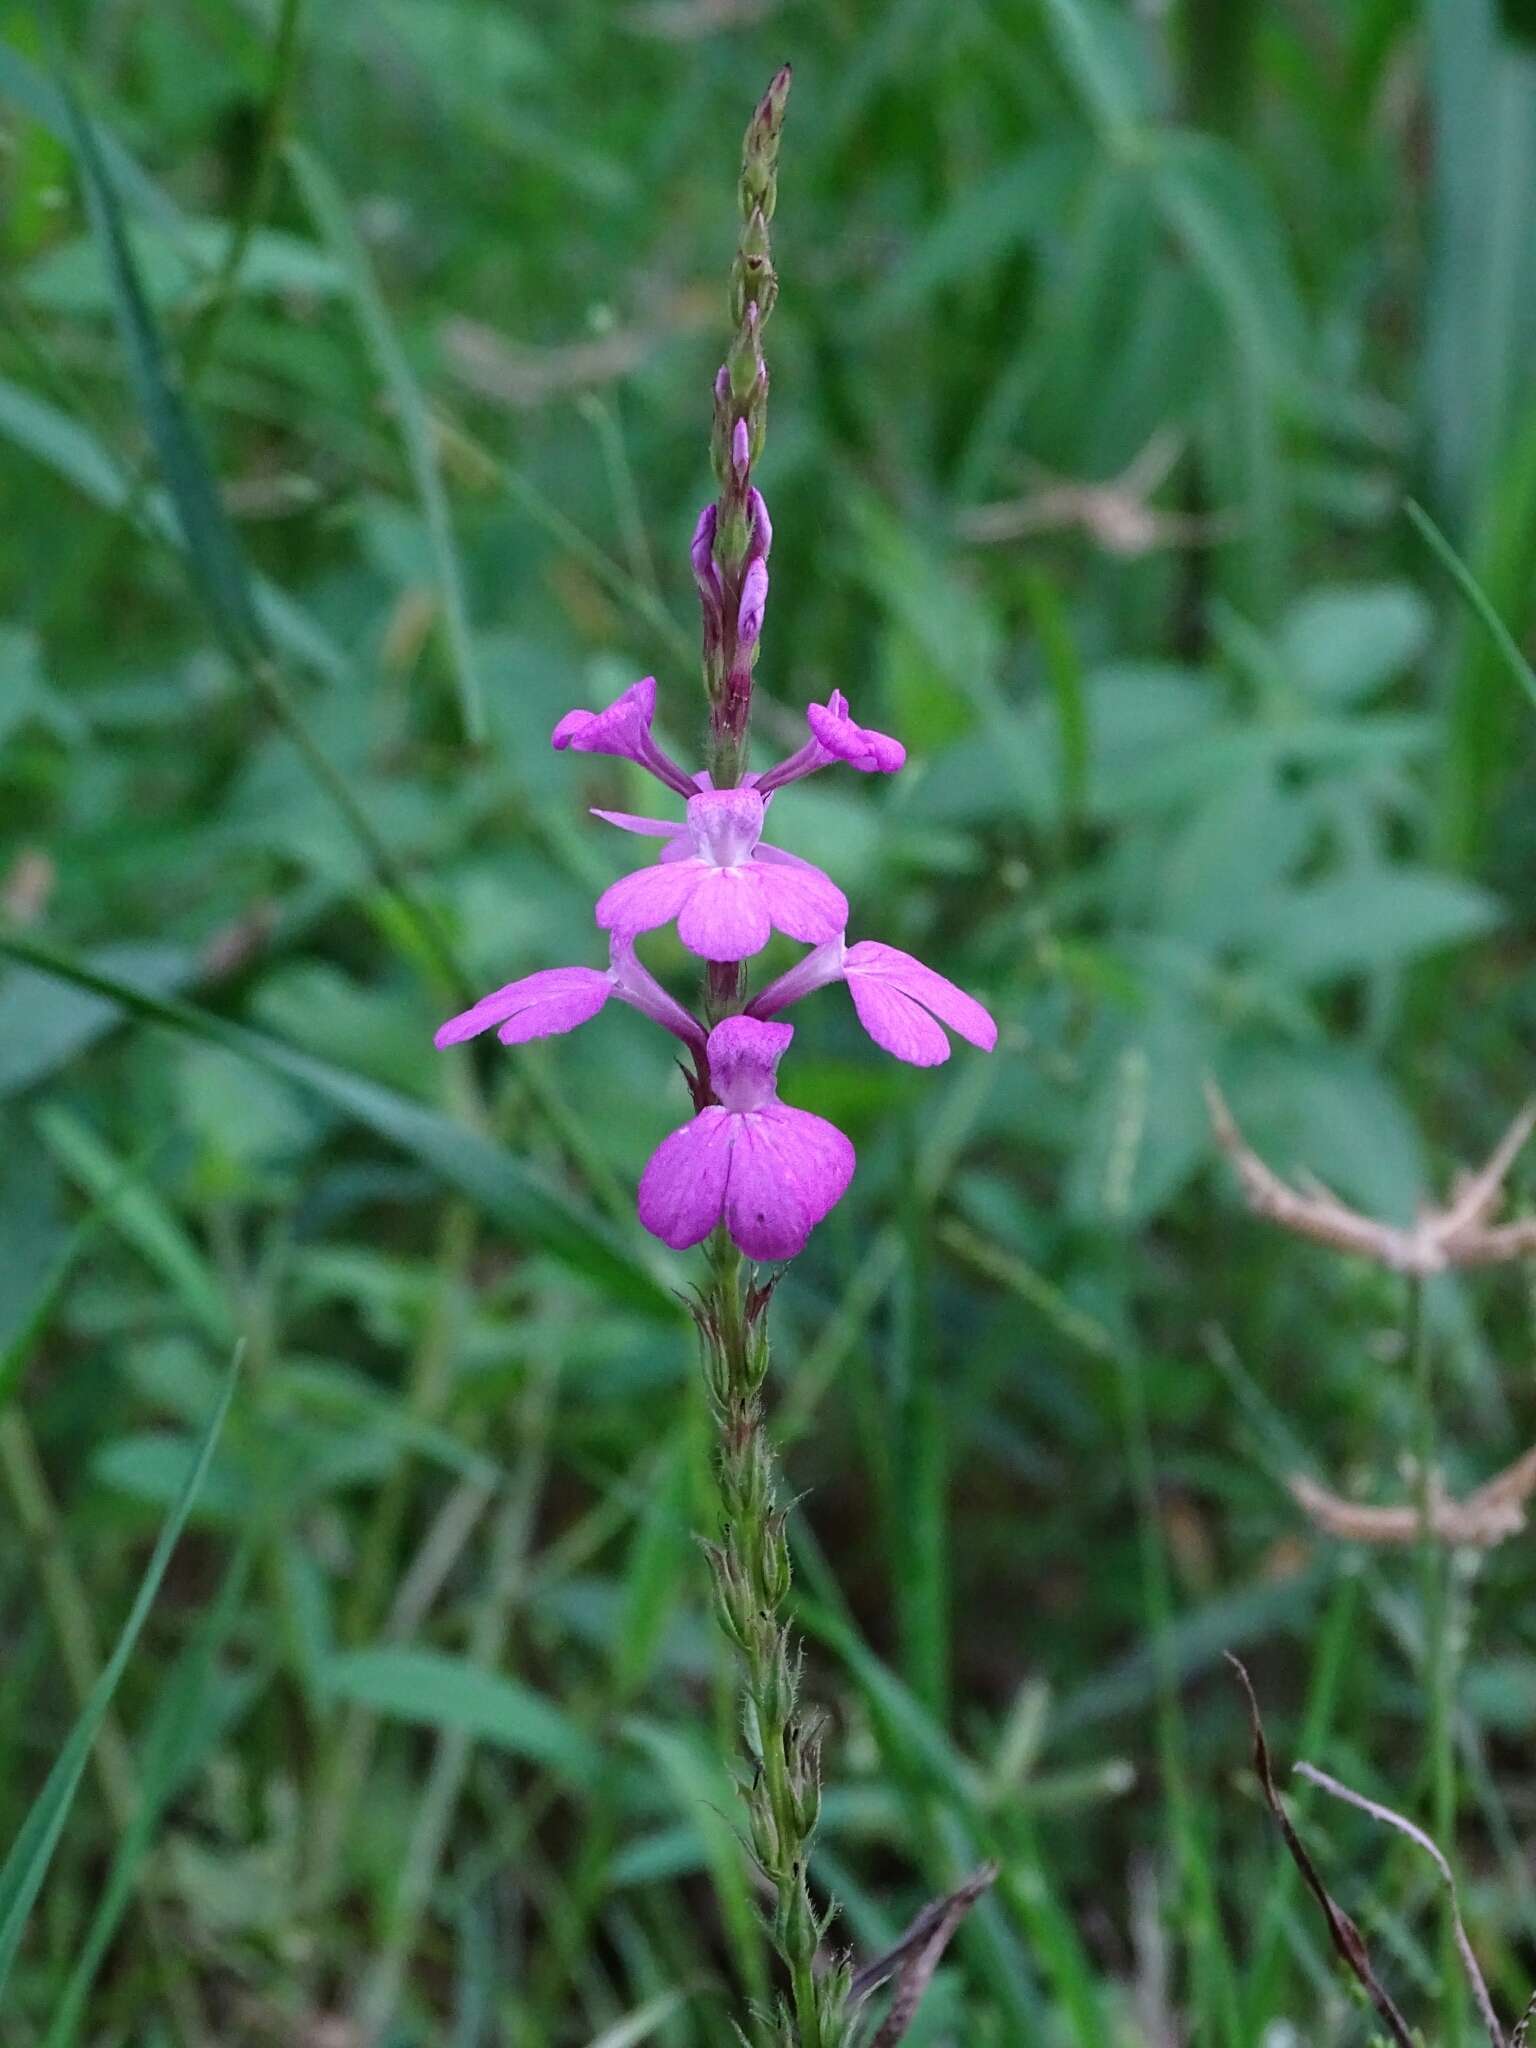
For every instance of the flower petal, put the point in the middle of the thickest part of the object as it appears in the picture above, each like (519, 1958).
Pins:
(553, 1000)
(621, 728)
(726, 916)
(898, 1024)
(871, 752)
(803, 903)
(650, 897)
(648, 828)
(682, 1189)
(870, 960)
(787, 1169)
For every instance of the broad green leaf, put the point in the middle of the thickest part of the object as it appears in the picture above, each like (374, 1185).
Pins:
(438, 1691)
(1381, 917)
(1345, 644)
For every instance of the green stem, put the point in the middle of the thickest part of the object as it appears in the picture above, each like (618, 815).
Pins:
(1215, 1992)
(1439, 1672)
(752, 1576)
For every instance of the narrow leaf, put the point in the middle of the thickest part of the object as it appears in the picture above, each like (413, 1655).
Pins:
(26, 1866)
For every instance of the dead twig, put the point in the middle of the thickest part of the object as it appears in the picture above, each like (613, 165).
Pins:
(1114, 515)
(915, 1957)
(1389, 1818)
(1342, 1931)
(1460, 1234)
(1484, 1519)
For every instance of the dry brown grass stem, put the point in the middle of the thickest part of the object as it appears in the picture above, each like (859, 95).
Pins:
(1460, 1234)
(1484, 1519)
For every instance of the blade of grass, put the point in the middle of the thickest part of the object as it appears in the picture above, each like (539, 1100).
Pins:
(328, 209)
(213, 552)
(179, 1740)
(535, 1209)
(1474, 596)
(26, 1866)
(133, 1208)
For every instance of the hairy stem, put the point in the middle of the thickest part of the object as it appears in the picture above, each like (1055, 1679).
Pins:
(752, 1580)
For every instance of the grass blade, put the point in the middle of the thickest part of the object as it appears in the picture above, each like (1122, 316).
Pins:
(213, 551)
(1474, 596)
(26, 1866)
(328, 209)
(536, 1210)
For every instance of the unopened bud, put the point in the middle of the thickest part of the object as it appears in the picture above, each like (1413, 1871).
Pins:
(754, 598)
(741, 451)
(702, 551)
(760, 526)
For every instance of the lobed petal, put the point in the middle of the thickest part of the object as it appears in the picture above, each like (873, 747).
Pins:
(622, 728)
(682, 1190)
(803, 903)
(787, 1169)
(897, 1024)
(539, 1006)
(725, 916)
(648, 828)
(650, 897)
(870, 961)
(860, 746)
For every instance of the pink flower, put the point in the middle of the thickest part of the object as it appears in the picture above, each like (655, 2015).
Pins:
(835, 737)
(624, 729)
(768, 1171)
(897, 999)
(725, 888)
(557, 999)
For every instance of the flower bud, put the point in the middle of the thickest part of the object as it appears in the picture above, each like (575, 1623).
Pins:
(760, 526)
(705, 574)
(754, 598)
(741, 451)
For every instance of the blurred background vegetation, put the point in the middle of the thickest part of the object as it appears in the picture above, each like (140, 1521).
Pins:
(1112, 338)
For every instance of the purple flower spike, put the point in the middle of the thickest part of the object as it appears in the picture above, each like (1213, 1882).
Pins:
(769, 1172)
(624, 730)
(897, 999)
(557, 999)
(754, 599)
(726, 889)
(835, 737)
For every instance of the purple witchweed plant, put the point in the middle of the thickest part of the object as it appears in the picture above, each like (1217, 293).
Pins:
(747, 1175)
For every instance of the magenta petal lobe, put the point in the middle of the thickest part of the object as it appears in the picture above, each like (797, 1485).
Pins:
(896, 1023)
(870, 961)
(682, 1190)
(650, 897)
(788, 1168)
(540, 1005)
(803, 903)
(725, 917)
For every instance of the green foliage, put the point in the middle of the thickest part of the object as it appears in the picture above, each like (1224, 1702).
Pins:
(354, 411)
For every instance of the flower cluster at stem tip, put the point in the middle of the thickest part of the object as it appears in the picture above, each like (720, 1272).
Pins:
(767, 1171)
